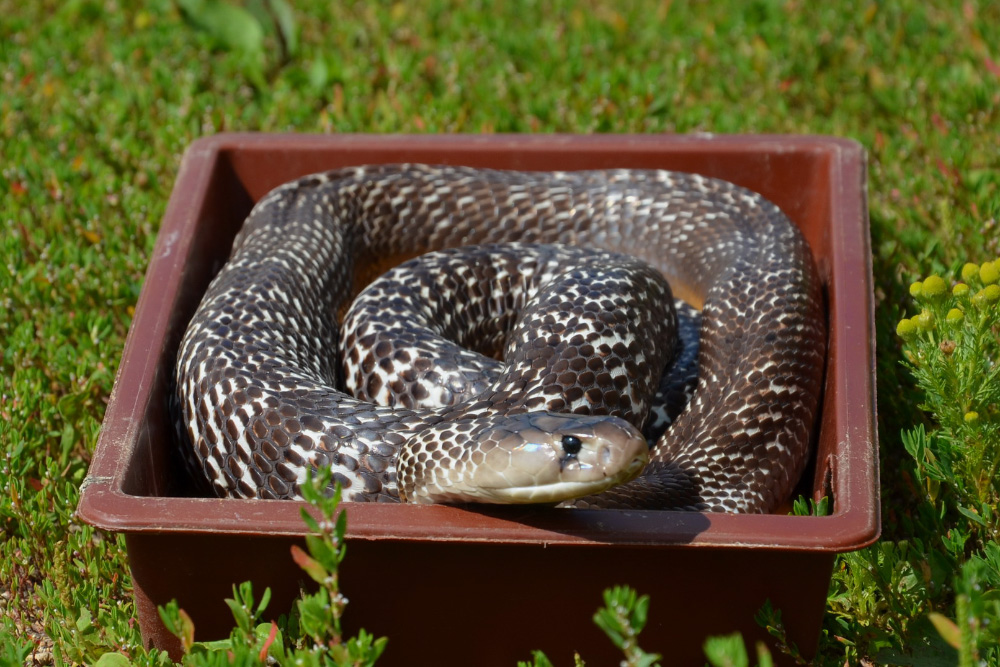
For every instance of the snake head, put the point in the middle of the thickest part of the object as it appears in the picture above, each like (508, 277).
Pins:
(524, 458)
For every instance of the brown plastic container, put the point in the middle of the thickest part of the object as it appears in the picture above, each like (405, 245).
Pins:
(455, 586)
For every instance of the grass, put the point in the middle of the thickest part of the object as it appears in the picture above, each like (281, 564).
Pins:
(99, 98)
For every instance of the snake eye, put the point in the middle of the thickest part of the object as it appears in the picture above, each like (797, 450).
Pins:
(571, 444)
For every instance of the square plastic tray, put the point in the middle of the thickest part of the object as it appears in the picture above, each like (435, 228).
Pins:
(452, 585)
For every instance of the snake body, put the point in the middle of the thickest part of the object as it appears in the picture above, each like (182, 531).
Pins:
(573, 330)
(256, 376)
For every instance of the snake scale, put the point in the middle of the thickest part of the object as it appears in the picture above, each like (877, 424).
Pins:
(257, 377)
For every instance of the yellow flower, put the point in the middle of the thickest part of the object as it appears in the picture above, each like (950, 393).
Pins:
(925, 320)
(916, 288)
(970, 271)
(988, 273)
(906, 329)
(987, 295)
(971, 417)
(954, 315)
(960, 289)
(934, 287)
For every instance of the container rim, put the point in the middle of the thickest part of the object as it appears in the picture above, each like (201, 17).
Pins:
(854, 523)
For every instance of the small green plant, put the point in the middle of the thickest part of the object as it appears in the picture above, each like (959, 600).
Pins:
(622, 619)
(13, 653)
(769, 618)
(976, 630)
(311, 635)
(952, 347)
(930, 594)
(730, 651)
(802, 506)
(624, 615)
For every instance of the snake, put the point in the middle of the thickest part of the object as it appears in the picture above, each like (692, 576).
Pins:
(261, 402)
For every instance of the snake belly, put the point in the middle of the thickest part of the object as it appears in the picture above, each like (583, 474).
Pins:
(255, 370)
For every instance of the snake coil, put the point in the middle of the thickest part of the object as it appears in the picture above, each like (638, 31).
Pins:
(256, 373)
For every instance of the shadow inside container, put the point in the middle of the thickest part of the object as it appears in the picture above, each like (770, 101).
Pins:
(608, 526)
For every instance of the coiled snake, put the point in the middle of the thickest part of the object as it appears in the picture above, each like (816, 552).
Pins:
(257, 378)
